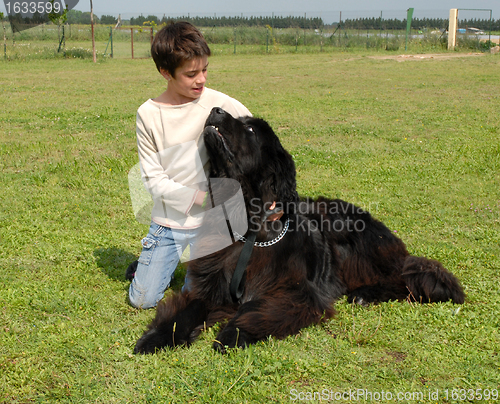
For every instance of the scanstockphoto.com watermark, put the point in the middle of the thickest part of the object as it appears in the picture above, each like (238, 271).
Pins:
(364, 395)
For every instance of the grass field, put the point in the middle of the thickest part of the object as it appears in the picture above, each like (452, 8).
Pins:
(417, 142)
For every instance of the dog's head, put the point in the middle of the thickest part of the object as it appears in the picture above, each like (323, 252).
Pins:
(247, 150)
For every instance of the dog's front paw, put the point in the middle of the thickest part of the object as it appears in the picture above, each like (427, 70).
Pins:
(151, 342)
(159, 338)
(217, 346)
(232, 337)
(358, 300)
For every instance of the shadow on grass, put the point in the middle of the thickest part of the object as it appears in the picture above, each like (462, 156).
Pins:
(114, 262)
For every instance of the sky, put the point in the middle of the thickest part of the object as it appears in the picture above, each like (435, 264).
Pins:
(329, 11)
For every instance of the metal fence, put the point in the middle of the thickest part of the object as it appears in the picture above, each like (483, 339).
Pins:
(72, 40)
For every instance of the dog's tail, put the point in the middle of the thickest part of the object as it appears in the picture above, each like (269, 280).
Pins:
(428, 281)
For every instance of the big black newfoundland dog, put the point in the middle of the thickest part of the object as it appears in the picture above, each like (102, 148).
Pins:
(297, 258)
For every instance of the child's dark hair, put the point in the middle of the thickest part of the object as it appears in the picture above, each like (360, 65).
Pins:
(177, 43)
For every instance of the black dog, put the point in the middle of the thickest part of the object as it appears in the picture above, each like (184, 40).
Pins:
(316, 251)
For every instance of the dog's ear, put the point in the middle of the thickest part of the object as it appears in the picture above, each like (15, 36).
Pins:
(284, 184)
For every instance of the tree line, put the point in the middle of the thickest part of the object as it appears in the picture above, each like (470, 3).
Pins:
(272, 21)
(417, 23)
(79, 17)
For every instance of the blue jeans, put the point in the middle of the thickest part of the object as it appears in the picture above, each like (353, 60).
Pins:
(161, 251)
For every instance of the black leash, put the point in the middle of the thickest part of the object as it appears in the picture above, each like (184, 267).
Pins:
(237, 285)
(238, 281)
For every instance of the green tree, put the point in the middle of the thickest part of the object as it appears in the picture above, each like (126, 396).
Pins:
(138, 21)
(58, 18)
(152, 20)
(108, 20)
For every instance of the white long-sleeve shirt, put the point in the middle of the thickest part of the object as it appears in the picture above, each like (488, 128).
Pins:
(173, 157)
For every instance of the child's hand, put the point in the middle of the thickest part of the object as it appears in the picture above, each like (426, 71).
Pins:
(201, 199)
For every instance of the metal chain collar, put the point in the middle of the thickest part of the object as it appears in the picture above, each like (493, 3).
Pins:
(265, 243)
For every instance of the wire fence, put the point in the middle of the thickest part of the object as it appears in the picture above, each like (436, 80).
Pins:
(74, 40)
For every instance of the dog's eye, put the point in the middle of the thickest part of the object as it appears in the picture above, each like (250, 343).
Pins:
(249, 128)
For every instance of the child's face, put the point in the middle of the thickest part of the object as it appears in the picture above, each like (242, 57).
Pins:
(189, 80)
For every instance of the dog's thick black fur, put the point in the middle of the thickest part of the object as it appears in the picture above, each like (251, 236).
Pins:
(332, 248)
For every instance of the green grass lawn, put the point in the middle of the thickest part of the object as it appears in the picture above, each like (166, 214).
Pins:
(416, 142)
